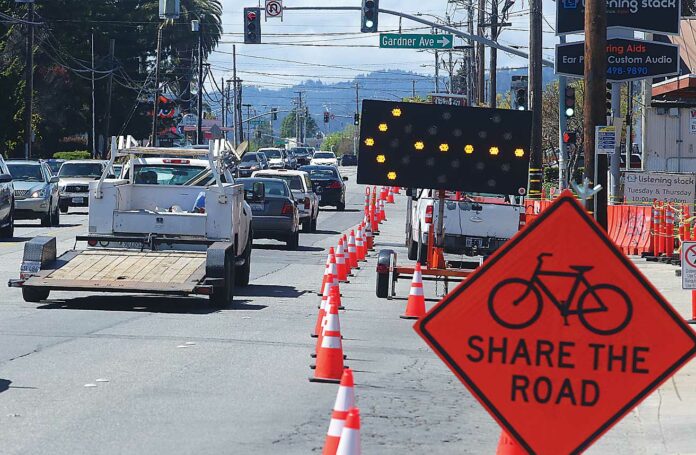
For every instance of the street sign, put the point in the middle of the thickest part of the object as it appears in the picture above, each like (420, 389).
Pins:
(688, 261)
(274, 8)
(627, 59)
(652, 16)
(417, 145)
(605, 140)
(558, 334)
(415, 41)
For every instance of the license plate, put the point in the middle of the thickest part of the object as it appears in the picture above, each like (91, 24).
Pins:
(78, 200)
(257, 207)
(474, 243)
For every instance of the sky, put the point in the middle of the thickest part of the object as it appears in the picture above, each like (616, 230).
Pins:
(330, 58)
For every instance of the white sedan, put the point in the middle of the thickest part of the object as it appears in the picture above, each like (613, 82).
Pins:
(324, 159)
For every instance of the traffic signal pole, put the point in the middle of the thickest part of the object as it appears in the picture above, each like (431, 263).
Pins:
(562, 128)
(535, 98)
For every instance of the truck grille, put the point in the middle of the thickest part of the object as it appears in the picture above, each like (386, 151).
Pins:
(21, 194)
(77, 189)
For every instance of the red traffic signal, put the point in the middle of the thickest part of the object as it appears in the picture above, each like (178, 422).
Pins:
(570, 137)
(251, 16)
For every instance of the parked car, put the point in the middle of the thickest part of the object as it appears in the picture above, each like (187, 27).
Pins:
(35, 191)
(6, 202)
(277, 217)
(74, 182)
(301, 186)
(328, 184)
(277, 158)
(55, 165)
(324, 159)
(252, 162)
(303, 155)
(349, 160)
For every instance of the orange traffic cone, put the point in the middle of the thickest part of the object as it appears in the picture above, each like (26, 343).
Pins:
(360, 244)
(382, 193)
(345, 400)
(367, 200)
(369, 239)
(397, 190)
(350, 436)
(330, 322)
(352, 251)
(508, 446)
(341, 262)
(330, 356)
(346, 253)
(327, 269)
(323, 306)
(415, 308)
(382, 212)
(390, 196)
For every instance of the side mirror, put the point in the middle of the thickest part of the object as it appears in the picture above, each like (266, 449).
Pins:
(54, 179)
(345, 179)
(5, 178)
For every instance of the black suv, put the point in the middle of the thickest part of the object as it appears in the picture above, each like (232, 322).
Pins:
(6, 202)
(303, 155)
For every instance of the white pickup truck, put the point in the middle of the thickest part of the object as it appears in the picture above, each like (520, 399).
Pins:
(152, 233)
(473, 225)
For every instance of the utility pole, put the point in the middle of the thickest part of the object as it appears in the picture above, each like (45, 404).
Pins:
(298, 109)
(629, 126)
(239, 110)
(357, 113)
(493, 91)
(593, 107)
(29, 83)
(109, 92)
(157, 87)
(471, 67)
(224, 102)
(248, 106)
(481, 55)
(235, 119)
(562, 128)
(413, 90)
(535, 88)
(94, 107)
(199, 124)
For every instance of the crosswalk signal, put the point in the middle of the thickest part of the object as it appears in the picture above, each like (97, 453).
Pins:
(569, 102)
(608, 99)
(521, 99)
(252, 25)
(370, 10)
(274, 113)
(570, 137)
(326, 117)
(356, 120)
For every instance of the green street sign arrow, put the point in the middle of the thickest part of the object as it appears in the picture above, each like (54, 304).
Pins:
(415, 41)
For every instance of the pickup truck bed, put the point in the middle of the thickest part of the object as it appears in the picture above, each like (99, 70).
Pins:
(176, 273)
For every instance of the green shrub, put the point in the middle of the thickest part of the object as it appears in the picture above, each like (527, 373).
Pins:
(74, 155)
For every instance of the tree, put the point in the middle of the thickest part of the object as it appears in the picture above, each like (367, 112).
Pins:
(340, 142)
(288, 128)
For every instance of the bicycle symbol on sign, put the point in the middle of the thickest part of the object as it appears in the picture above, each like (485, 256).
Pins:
(604, 309)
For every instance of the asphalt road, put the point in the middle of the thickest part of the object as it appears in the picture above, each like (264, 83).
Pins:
(113, 374)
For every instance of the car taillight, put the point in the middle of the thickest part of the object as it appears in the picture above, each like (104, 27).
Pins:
(523, 220)
(334, 185)
(287, 209)
(429, 214)
(306, 203)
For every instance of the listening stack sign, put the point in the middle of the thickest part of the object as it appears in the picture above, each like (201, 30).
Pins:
(559, 339)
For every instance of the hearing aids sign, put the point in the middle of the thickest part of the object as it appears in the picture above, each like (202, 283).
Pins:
(652, 16)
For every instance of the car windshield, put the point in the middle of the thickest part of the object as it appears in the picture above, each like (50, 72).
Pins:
(93, 170)
(293, 181)
(322, 174)
(324, 155)
(301, 151)
(273, 154)
(249, 158)
(25, 172)
(274, 187)
(165, 174)
(55, 166)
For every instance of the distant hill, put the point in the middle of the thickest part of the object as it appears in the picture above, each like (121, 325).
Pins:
(339, 97)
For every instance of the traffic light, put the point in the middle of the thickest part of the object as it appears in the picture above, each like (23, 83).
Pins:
(252, 25)
(274, 113)
(356, 120)
(521, 99)
(569, 102)
(370, 11)
(258, 134)
(327, 117)
(570, 137)
(608, 99)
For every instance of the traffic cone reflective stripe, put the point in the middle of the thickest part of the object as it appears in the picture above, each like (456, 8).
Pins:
(360, 244)
(330, 322)
(327, 269)
(341, 262)
(345, 400)
(350, 436)
(330, 357)
(352, 251)
(323, 306)
(382, 212)
(346, 252)
(415, 308)
(508, 446)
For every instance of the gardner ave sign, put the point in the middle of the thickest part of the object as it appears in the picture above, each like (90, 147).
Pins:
(415, 41)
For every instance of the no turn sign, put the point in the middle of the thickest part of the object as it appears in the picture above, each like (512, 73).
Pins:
(558, 335)
(274, 8)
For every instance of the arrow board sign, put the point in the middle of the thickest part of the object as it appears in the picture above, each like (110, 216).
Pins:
(415, 41)
(627, 59)
(652, 16)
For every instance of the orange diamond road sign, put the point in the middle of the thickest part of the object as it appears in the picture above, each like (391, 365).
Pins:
(558, 335)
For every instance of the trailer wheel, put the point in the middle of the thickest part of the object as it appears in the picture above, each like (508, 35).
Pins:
(35, 295)
(242, 274)
(224, 295)
(382, 287)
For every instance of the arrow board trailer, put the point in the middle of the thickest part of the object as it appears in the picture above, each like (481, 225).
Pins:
(148, 236)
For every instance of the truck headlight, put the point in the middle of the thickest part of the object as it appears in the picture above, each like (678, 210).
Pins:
(39, 194)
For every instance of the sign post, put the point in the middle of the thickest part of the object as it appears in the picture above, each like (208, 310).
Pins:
(415, 41)
(558, 339)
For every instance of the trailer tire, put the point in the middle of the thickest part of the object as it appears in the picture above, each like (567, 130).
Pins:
(35, 295)
(382, 286)
(243, 273)
(423, 246)
(224, 295)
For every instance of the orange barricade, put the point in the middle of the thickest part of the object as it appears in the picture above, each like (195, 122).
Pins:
(631, 228)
